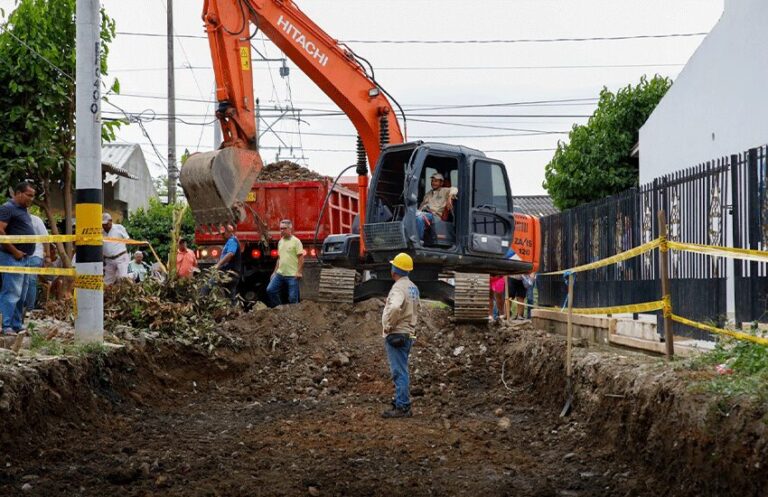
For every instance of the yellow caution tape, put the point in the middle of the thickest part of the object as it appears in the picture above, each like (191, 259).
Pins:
(718, 251)
(618, 309)
(47, 271)
(126, 241)
(89, 281)
(37, 238)
(720, 331)
(622, 256)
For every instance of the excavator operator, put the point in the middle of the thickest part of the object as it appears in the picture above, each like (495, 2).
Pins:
(435, 202)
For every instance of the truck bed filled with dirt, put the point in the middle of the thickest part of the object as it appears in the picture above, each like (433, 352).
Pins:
(285, 170)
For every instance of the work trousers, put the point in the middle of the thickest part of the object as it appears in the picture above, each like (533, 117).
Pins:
(275, 289)
(398, 366)
(29, 298)
(13, 289)
(116, 268)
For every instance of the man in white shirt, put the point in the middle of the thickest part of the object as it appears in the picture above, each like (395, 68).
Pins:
(116, 258)
(39, 258)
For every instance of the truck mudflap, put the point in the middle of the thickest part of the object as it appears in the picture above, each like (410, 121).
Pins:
(215, 183)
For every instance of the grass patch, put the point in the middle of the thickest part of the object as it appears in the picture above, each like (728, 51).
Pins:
(40, 345)
(749, 365)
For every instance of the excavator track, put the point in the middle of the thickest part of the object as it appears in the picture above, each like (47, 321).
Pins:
(470, 299)
(337, 286)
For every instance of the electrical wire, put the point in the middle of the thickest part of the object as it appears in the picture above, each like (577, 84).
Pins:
(471, 42)
(36, 53)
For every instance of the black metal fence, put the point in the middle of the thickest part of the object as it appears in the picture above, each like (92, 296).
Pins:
(695, 201)
(749, 175)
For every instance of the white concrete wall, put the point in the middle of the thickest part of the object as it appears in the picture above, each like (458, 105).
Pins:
(719, 102)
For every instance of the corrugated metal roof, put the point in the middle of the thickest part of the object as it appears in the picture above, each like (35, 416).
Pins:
(114, 157)
(535, 205)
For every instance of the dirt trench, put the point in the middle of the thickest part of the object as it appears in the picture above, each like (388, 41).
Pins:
(295, 411)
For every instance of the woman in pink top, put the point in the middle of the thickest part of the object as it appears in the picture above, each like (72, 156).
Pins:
(496, 296)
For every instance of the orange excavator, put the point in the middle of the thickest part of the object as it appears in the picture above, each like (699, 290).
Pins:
(453, 255)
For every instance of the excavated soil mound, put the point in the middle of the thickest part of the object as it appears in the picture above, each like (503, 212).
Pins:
(288, 171)
(295, 411)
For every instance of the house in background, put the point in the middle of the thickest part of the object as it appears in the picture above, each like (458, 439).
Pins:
(717, 105)
(127, 183)
(123, 195)
(534, 205)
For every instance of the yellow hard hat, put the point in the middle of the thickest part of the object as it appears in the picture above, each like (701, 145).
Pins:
(403, 262)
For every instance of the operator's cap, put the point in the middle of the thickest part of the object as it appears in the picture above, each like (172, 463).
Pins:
(106, 217)
(437, 176)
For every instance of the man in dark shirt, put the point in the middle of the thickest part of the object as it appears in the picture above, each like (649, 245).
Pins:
(15, 220)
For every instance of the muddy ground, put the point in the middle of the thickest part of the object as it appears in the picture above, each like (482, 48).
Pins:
(295, 411)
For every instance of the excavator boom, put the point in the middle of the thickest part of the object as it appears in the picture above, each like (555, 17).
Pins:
(215, 182)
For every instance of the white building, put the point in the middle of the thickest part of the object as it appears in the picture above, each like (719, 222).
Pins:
(718, 104)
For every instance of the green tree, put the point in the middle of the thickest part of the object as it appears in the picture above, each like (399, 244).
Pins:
(155, 225)
(37, 101)
(596, 161)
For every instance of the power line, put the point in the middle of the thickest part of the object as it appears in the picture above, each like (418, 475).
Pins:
(530, 40)
(351, 150)
(452, 68)
(409, 107)
(469, 42)
(37, 54)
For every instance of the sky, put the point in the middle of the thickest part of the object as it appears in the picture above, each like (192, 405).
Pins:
(482, 76)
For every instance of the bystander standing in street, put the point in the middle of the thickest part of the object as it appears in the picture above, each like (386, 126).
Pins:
(138, 270)
(15, 220)
(116, 258)
(41, 257)
(398, 323)
(288, 268)
(517, 288)
(230, 261)
(186, 261)
(496, 299)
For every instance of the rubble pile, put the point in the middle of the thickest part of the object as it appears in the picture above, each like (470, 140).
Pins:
(288, 171)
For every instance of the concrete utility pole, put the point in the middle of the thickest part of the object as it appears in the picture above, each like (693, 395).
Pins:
(173, 172)
(89, 282)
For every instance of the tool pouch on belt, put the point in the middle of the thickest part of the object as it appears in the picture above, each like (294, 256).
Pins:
(397, 340)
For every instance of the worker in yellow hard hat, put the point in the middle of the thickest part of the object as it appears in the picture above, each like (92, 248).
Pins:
(399, 327)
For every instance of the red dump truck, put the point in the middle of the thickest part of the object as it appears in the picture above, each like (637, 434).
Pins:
(268, 202)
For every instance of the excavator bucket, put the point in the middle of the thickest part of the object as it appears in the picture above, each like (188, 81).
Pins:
(216, 182)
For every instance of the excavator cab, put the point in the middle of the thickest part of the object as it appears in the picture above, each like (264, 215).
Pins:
(472, 236)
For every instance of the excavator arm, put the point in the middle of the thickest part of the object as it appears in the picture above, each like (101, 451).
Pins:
(231, 171)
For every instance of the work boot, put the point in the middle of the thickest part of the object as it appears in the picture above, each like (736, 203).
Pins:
(398, 412)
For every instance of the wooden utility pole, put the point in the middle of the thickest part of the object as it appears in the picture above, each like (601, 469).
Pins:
(173, 171)
(569, 352)
(664, 269)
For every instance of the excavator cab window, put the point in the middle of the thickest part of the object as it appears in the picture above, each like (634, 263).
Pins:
(389, 199)
(491, 218)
